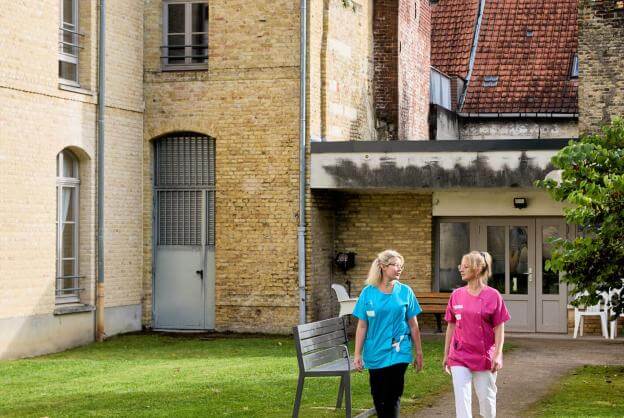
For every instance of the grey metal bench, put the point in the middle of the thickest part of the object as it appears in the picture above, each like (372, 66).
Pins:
(322, 351)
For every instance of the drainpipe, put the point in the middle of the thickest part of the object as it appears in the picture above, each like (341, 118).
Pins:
(303, 40)
(99, 299)
(473, 53)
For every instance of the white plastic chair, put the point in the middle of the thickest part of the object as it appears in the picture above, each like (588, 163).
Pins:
(613, 324)
(600, 310)
(346, 303)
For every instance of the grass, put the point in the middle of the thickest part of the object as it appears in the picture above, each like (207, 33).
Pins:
(590, 391)
(158, 375)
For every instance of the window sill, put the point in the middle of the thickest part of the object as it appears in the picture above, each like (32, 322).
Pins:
(198, 67)
(74, 89)
(73, 308)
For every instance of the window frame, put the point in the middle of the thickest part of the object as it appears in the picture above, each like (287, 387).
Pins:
(65, 56)
(188, 37)
(63, 183)
(574, 66)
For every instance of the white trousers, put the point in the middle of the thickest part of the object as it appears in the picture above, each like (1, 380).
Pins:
(485, 386)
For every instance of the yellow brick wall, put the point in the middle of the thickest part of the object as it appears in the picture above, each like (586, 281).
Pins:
(368, 224)
(38, 120)
(247, 100)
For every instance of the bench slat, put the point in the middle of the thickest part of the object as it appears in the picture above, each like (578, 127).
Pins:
(318, 358)
(323, 341)
(319, 328)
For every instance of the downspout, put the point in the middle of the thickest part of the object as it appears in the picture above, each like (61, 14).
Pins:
(303, 41)
(99, 300)
(473, 53)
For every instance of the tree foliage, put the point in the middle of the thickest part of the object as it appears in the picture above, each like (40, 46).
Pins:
(592, 181)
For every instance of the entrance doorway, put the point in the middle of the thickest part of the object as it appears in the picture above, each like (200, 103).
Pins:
(184, 232)
(536, 298)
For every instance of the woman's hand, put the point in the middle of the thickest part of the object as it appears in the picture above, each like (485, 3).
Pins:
(418, 362)
(358, 363)
(445, 365)
(497, 362)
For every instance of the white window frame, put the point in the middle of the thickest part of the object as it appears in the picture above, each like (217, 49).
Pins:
(574, 70)
(61, 184)
(188, 37)
(65, 56)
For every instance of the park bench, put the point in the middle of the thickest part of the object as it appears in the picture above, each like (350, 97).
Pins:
(322, 351)
(434, 303)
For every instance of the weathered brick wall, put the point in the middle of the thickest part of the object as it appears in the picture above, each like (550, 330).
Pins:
(385, 55)
(414, 64)
(37, 121)
(370, 223)
(601, 67)
(247, 100)
(340, 54)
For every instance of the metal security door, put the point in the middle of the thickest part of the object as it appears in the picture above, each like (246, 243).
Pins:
(184, 208)
(511, 242)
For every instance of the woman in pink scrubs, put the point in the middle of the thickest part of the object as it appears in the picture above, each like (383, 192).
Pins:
(473, 348)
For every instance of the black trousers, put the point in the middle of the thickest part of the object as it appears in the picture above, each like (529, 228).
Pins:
(387, 387)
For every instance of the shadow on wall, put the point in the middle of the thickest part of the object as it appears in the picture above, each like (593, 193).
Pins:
(477, 174)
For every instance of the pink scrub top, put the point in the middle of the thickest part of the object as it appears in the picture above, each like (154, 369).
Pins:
(475, 318)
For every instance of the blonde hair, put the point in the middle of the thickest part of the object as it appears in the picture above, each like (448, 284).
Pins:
(481, 262)
(384, 258)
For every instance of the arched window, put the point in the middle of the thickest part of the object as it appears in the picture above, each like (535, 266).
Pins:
(67, 225)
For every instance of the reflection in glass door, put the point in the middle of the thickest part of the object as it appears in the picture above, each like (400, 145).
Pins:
(551, 294)
(510, 242)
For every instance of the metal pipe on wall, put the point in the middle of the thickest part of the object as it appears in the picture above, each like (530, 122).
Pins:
(99, 299)
(302, 159)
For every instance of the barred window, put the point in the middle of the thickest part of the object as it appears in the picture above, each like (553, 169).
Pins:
(69, 42)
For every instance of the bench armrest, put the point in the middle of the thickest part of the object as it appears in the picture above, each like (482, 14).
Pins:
(346, 351)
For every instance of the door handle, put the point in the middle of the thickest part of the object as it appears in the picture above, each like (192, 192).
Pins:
(530, 274)
(201, 273)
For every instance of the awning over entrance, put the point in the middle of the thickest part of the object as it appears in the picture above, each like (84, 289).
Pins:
(431, 165)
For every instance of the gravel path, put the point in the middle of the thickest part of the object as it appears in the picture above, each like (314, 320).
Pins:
(532, 368)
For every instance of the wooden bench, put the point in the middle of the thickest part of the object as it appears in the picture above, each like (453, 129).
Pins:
(434, 303)
(322, 351)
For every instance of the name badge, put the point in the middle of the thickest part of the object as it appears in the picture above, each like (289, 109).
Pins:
(458, 316)
(458, 306)
(370, 313)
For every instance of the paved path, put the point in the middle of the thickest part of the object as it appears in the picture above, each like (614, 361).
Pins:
(532, 368)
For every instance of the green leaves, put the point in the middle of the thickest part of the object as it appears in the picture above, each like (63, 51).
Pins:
(592, 180)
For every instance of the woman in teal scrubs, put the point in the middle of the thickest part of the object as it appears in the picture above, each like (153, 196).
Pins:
(387, 332)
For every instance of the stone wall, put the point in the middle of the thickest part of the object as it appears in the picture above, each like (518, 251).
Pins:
(601, 68)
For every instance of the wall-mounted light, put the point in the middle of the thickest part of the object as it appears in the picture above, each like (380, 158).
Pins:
(345, 261)
(520, 202)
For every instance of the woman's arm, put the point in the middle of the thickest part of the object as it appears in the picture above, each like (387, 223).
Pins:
(360, 334)
(450, 329)
(499, 340)
(415, 333)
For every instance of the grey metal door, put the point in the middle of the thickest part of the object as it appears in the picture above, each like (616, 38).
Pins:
(184, 233)
(551, 301)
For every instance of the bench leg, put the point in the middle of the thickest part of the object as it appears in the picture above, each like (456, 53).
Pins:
(439, 322)
(341, 389)
(298, 395)
(347, 389)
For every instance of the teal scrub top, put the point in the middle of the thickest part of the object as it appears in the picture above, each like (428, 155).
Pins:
(388, 339)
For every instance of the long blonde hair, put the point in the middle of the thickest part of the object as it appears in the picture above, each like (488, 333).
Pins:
(384, 258)
(481, 263)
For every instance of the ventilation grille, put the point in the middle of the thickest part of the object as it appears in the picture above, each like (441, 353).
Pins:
(185, 161)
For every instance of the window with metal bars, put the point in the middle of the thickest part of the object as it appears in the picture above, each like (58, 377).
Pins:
(185, 35)
(67, 227)
(69, 44)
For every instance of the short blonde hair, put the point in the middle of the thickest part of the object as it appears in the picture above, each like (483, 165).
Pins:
(384, 258)
(481, 262)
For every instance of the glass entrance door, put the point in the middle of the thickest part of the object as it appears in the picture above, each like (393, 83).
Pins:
(511, 243)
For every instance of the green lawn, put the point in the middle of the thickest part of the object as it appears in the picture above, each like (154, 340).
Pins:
(591, 391)
(159, 375)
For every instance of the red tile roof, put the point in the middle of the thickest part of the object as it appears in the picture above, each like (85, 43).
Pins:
(452, 29)
(527, 44)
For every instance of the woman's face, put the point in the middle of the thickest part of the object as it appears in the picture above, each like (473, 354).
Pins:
(467, 273)
(393, 269)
